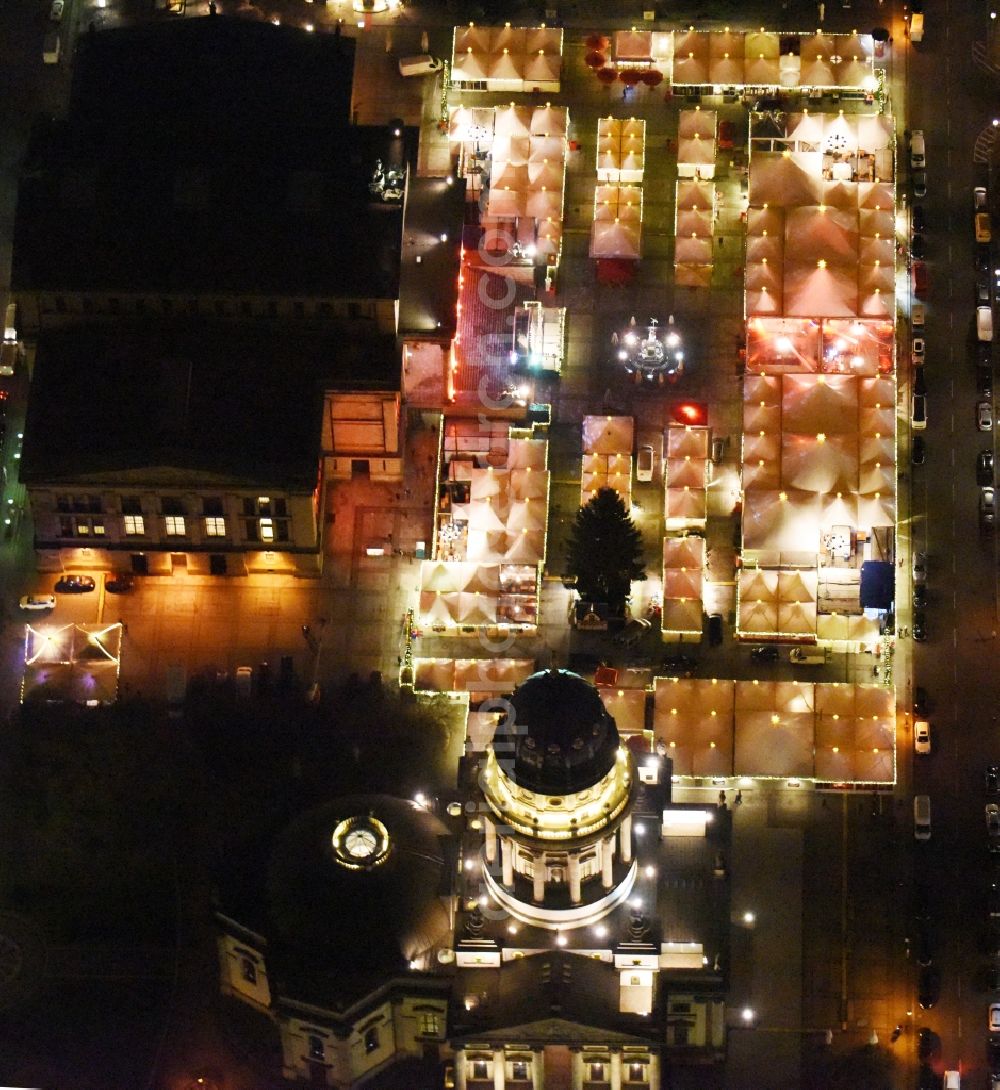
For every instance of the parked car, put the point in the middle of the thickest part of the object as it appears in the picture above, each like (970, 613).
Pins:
(918, 451)
(919, 595)
(993, 826)
(715, 631)
(993, 779)
(119, 582)
(75, 584)
(984, 383)
(919, 219)
(644, 464)
(993, 900)
(918, 247)
(928, 1044)
(919, 381)
(764, 654)
(918, 412)
(982, 288)
(56, 10)
(922, 737)
(682, 665)
(984, 467)
(920, 183)
(38, 601)
(919, 627)
(919, 567)
(979, 201)
(918, 348)
(984, 354)
(928, 987)
(921, 705)
(984, 416)
(634, 630)
(987, 508)
(994, 1018)
(921, 280)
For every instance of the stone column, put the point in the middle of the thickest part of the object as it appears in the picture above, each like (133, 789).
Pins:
(491, 841)
(576, 1071)
(616, 1071)
(537, 1069)
(461, 1071)
(507, 861)
(499, 1072)
(574, 879)
(607, 862)
(625, 839)
(538, 881)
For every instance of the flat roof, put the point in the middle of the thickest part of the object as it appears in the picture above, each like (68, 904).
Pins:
(212, 156)
(244, 402)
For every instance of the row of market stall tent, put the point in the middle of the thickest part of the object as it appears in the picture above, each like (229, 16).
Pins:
(695, 198)
(736, 59)
(507, 59)
(828, 732)
(607, 456)
(522, 152)
(683, 577)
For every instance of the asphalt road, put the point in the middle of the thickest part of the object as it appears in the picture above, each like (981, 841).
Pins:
(951, 95)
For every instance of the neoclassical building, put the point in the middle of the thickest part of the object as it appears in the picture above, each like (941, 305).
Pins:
(559, 789)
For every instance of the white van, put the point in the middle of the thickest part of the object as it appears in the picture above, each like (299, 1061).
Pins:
(10, 323)
(918, 314)
(952, 1080)
(918, 150)
(922, 817)
(917, 26)
(421, 65)
(984, 323)
(644, 464)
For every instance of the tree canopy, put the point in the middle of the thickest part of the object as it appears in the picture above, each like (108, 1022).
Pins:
(605, 551)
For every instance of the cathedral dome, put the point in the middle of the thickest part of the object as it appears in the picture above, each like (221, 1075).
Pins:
(561, 737)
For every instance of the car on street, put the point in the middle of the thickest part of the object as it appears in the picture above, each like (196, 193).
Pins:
(920, 183)
(993, 779)
(993, 905)
(38, 601)
(979, 201)
(984, 467)
(928, 987)
(918, 411)
(984, 416)
(993, 826)
(987, 508)
(921, 705)
(994, 1018)
(764, 654)
(982, 289)
(984, 383)
(928, 1044)
(984, 354)
(119, 582)
(918, 348)
(727, 135)
(918, 451)
(919, 627)
(921, 279)
(644, 464)
(922, 737)
(75, 584)
(919, 567)
(715, 630)
(919, 219)
(919, 595)
(918, 247)
(919, 381)
(682, 665)
(924, 952)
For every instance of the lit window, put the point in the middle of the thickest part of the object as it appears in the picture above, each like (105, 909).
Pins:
(636, 1072)
(215, 527)
(597, 1073)
(316, 1050)
(174, 525)
(371, 1039)
(519, 1070)
(134, 524)
(480, 1069)
(98, 527)
(429, 1025)
(248, 970)
(82, 527)
(266, 530)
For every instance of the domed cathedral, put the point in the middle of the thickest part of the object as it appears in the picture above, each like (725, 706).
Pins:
(559, 789)
(574, 960)
(338, 928)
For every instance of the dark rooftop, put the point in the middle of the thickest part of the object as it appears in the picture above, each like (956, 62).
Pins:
(213, 155)
(200, 395)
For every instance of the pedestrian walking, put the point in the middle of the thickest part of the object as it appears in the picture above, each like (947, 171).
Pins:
(722, 798)
(424, 41)
(822, 10)
(739, 798)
